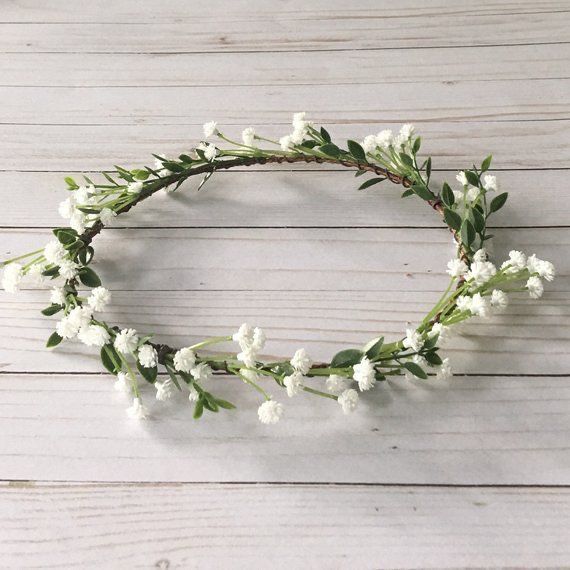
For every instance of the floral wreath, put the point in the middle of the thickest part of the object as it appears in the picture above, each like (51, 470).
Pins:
(477, 288)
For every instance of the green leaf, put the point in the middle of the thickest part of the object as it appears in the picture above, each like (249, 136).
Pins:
(283, 369)
(415, 369)
(52, 310)
(210, 402)
(173, 377)
(53, 340)
(370, 182)
(356, 150)
(205, 179)
(452, 219)
(173, 166)
(185, 158)
(498, 202)
(225, 404)
(416, 145)
(478, 220)
(345, 358)
(51, 272)
(485, 165)
(85, 255)
(406, 159)
(431, 341)
(360, 173)
(472, 178)
(325, 135)
(110, 179)
(433, 358)
(408, 192)
(428, 167)
(149, 374)
(140, 174)
(447, 195)
(72, 185)
(422, 192)
(199, 409)
(110, 359)
(65, 236)
(467, 232)
(330, 149)
(373, 348)
(89, 277)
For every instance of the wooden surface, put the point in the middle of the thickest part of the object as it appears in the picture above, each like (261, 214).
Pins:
(471, 473)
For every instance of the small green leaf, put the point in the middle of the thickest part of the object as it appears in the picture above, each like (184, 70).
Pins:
(373, 349)
(452, 219)
(356, 150)
(53, 340)
(485, 165)
(140, 174)
(51, 272)
(85, 255)
(149, 374)
(110, 359)
(199, 409)
(472, 178)
(431, 341)
(346, 358)
(415, 369)
(417, 144)
(498, 202)
(467, 232)
(89, 277)
(478, 220)
(283, 369)
(71, 184)
(325, 135)
(52, 310)
(225, 404)
(370, 182)
(433, 358)
(330, 149)
(406, 159)
(408, 192)
(422, 192)
(65, 236)
(447, 195)
(428, 167)
(210, 402)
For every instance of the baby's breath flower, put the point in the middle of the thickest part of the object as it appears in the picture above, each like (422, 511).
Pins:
(107, 216)
(99, 298)
(135, 187)
(407, 131)
(258, 341)
(80, 316)
(35, 274)
(137, 411)
(301, 361)
(201, 372)
(94, 335)
(384, 138)
(148, 356)
(413, 340)
(337, 384)
(293, 383)
(285, 143)
(66, 209)
(535, 287)
(463, 303)
(54, 252)
(364, 374)
(66, 328)
(480, 272)
(77, 222)
(209, 150)
(516, 261)
(247, 356)
(210, 128)
(457, 268)
(184, 360)
(490, 182)
(193, 394)
(68, 269)
(472, 194)
(248, 136)
(57, 296)
(480, 255)
(126, 341)
(122, 383)
(348, 401)
(462, 178)
(369, 144)
(499, 300)
(480, 306)
(164, 389)
(444, 371)
(544, 269)
(443, 332)
(270, 412)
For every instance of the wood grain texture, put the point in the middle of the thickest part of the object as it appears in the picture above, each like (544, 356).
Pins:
(271, 198)
(301, 527)
(470, 430)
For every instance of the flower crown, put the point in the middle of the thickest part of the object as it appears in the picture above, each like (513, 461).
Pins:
(477, 288)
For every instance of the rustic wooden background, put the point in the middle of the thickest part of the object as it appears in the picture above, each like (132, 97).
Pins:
(473, 473)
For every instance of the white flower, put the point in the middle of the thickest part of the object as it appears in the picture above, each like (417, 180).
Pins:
(247, 356)
(472, 194)
(364, 374)
(369, 144)
(66, 328)
(164, 390)
(99, 298)
(148, 356)
(80, 316)
(137, 411)
(419, 360)
(244, 335)
(285, 143)
(516, 261)
(57, 296)
(407, 131)
(258, 341)
(54, 252)
(135, 187)
(480, 306)
(480, 255)
(34, 274)
(107, 216)
(457, 268)
(499, 300)
(184, 360)
(443, 332)
(210, 128)
(67, 208)
(348, 401)
(77, 222)
(480, 272)
(12, 277)
(462, 178)
(270, 412)
(251, 341)
(94, 335)
(248, 136)
(301, 361)
(201, 372)
(68, 269)
(299, 120)
(122, 384)
(535, 287)
(82, 194)
(293, 383)
(337, 384)
(544, 269)
(126, 341)
(444, 372)
(413, 340)
(463, 303)
(384, 138)
(490, 182)
(193, 394)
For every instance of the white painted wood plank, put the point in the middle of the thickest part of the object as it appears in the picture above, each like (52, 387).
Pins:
(324, 259)
(256, 26)
(238, 526)
(518, 145)
(478, 100)
(278, 198)
(472, 430)
(520, 63)
(530, 338)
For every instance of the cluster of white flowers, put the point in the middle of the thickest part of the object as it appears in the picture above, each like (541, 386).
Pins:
(386, 139)
(12, 277)
(300, 130)
(185, 361)
(469, 193)
(251, 341)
